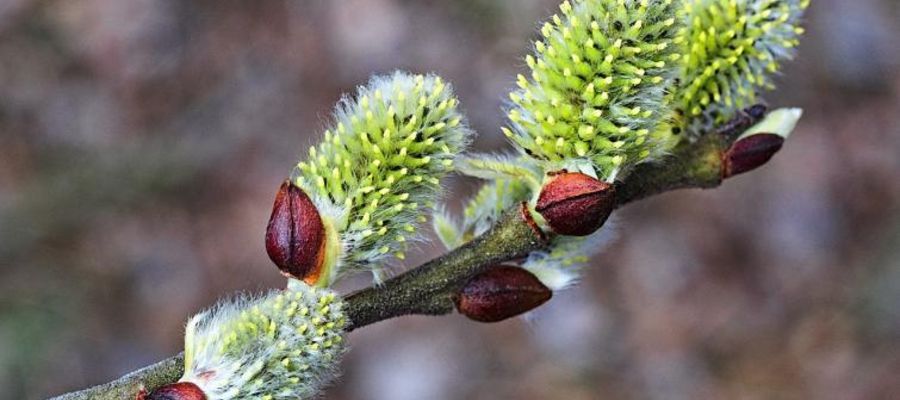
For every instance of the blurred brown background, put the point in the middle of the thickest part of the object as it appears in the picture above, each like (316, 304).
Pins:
(141, 143)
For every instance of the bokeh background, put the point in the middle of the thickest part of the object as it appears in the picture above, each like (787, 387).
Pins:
(141, 143)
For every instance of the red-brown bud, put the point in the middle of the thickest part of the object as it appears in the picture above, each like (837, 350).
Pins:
(176, 391)
(500, 293)
(575, 204)
(749, 153)
(295, 237)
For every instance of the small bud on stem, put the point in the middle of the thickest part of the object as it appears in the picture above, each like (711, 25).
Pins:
(295, 237)
(575, 204)
(750, 153)
(501, 292)
(175, 391)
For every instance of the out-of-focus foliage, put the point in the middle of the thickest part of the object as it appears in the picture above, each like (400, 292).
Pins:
(141, 142)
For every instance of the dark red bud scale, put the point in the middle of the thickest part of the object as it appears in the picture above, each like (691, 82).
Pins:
(295, 237)
(575, 204)
(742, 121)
(175, 391)
(750, 153)
(501, 292)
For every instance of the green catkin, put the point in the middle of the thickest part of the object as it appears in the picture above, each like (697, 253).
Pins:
(278, 346)
(731, 48)
(597, 83)
(377, 170)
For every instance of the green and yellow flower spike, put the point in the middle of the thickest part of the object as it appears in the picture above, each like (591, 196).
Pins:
(281, 345)
(377, 171)
(731, 48)
(596, 89)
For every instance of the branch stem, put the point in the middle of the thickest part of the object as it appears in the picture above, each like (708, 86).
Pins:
(128, 386)
(430, 289)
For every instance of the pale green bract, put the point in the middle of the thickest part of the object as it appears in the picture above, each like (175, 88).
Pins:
(779, 122)
(731, 48)
(597, 85)
(277, 346)
(377, 170)
(481, 211)
(560, 266)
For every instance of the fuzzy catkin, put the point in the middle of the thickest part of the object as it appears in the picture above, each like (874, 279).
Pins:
(731, 49)
(597, 85)
(377, 170)
(278, 346)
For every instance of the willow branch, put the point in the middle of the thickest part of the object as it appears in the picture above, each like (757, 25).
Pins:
(430, 288)
(128, 386)
(695, 165)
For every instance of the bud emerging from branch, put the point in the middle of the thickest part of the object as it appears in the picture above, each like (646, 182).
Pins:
(295, 237)
(176, 391)
(760, 142)
(575, 204)
(501, 292)
(750, 153)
